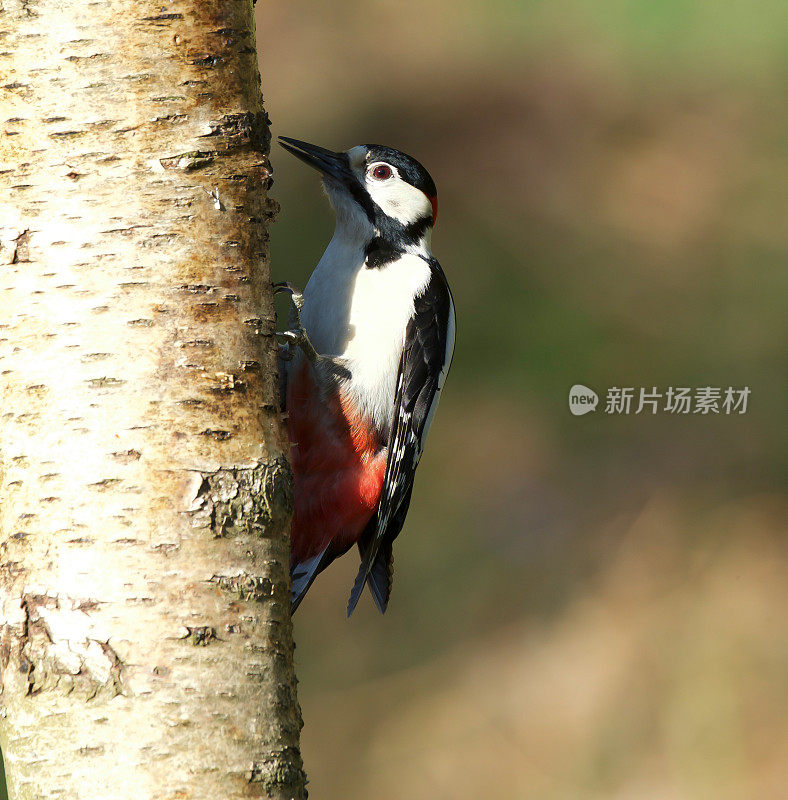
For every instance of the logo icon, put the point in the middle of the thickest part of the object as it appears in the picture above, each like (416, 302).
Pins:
(582, 399)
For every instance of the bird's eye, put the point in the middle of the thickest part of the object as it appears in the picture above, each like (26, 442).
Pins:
(381, 172)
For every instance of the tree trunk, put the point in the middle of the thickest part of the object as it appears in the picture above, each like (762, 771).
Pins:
(145, 639)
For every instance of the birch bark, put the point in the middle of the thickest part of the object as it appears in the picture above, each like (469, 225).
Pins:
(145, 638)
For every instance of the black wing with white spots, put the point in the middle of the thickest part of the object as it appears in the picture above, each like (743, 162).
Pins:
(424, 363)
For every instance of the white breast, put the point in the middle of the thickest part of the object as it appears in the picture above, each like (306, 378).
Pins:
(360, 315)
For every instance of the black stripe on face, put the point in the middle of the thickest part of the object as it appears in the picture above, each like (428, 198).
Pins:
(360, 194)
(393, 240)
(414, 232)
(389, 228)
(398, 235)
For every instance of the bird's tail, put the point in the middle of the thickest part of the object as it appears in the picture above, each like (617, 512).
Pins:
(377, 575)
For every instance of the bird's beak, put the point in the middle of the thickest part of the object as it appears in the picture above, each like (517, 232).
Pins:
(335, 165)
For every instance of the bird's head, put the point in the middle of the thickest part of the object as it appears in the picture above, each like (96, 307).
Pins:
(374, 188)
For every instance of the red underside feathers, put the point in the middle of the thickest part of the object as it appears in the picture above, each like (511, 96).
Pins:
(338, 465)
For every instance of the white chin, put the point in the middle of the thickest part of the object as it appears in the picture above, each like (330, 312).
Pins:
(345, 207)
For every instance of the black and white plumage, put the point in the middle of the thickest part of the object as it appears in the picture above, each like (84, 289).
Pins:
(379, 312)
(424, 364)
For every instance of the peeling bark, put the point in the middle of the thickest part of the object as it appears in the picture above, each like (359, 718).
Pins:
(145, 638)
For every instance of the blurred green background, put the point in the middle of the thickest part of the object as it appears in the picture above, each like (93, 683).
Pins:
(584, 607)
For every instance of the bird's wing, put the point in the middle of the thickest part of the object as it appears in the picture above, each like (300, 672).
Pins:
(424, 363)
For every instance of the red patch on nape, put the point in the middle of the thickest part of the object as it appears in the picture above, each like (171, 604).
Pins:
(433, 198)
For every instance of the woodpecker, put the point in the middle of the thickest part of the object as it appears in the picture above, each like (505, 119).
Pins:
(370, 343)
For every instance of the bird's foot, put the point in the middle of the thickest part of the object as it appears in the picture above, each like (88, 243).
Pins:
(296, 335)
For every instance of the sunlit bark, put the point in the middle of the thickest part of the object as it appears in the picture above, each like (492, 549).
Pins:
(145, 639)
